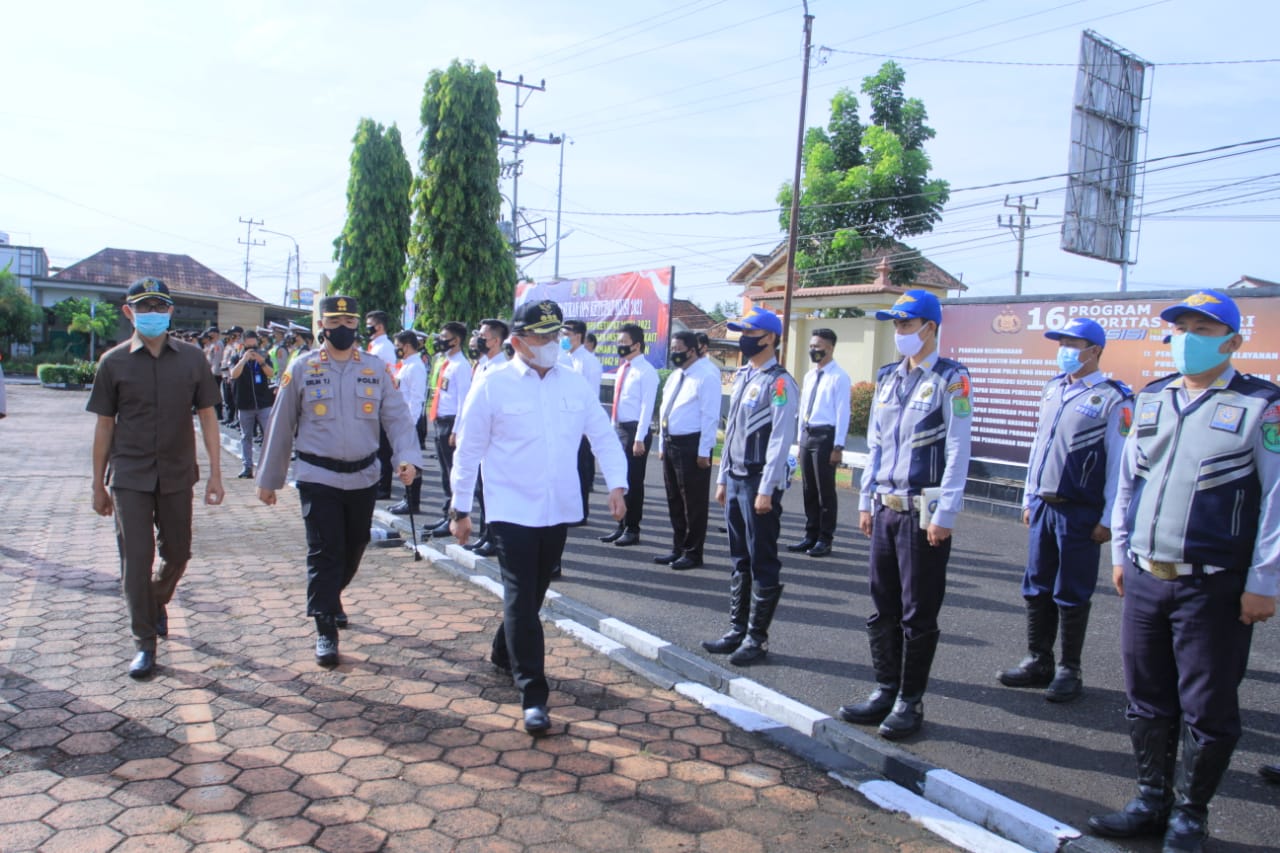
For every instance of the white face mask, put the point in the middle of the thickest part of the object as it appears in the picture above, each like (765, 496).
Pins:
(544, 356)
(909, 344)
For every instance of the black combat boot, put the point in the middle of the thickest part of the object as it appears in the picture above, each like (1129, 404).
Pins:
(739, 613)
(1155, 746)
(1203, 766)
(764, 601)
(1067, 685)
(908, 712)
(1036, 670)
(886, 660)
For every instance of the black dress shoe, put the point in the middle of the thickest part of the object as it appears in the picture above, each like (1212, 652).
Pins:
(402, 508)
(441, 529)
(821, 549)
(1270, 772)
(802, 546)
(685, 563)
(485, 549)
(162, 622)
(614, 536)
(667, 559)
(631, 537)
(536, 720)
(142, 665)
(556, 572)
(245, 474)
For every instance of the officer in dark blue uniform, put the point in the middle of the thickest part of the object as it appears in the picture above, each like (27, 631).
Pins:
(1197, 558)
(912, 491)
(758, 435)
(1070, 488)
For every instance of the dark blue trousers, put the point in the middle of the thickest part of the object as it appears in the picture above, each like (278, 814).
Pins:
(908, 575)
(337, 523)
(753, 538)
(527, 555)
(1185, 650)
(1062, 558)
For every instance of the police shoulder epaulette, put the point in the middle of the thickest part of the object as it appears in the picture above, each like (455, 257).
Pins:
(1256, 386)
(886, 370)
(1125, 390)
(776, 369)
(948, 367)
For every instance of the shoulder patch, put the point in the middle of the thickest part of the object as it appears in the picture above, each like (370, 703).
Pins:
(1126, 419)
(288, 377)
(960, 407)
(960, 387)
(780, 391)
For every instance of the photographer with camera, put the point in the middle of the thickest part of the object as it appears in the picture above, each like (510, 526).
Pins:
(251, 374)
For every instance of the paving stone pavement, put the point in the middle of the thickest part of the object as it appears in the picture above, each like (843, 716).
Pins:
(414, 742)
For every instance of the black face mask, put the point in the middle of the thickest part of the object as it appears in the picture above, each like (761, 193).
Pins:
(679, 358)
(340, 338)
(473, 351)
(624, 350)
(400, 353)
(509, 350)
(372, 331)
(440, 345)
(817, 355)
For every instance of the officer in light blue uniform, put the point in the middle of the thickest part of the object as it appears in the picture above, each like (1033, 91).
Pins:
(758, 435)
(1196, 553)
(918, 438)
(1070, 488)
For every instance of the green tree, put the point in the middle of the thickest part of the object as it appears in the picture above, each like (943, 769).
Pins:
(462, 266)
(724, 310)
(865, 186)
(17, 312)
(79, 315)
(371, 249)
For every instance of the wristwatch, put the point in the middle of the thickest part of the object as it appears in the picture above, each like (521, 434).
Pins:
(454, 515)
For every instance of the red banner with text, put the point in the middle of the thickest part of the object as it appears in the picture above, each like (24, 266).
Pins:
(1010, 359)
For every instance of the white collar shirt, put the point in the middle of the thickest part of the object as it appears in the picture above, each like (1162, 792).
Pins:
(382, 347)
(525, 430)
(413, 378)
(453, 383)
(584, 361)
(639, 390)
(831, 405)
(691, 406)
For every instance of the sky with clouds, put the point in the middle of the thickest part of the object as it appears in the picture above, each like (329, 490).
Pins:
(157, 126)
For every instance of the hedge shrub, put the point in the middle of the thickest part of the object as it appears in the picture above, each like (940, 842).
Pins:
(80, 373)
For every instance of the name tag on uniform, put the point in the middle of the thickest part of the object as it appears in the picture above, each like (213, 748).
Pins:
(1227, 418)
(753, 396)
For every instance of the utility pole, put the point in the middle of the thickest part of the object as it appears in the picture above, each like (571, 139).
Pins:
(559, 195)
(297, 263)
(1019, 228)
(793, 231)
(248, 244)
(517, 141)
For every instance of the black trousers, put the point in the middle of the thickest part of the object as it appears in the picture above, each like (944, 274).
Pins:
(444, 453)
(687, 493)
(229, 399)
(384, 463)
(586, 474)
(636, 466)
(908, 575)
(337, 523)
(819, 477)
(421, 427)
(527, 555)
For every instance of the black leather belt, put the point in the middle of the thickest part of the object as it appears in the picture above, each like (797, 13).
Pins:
(338, 466)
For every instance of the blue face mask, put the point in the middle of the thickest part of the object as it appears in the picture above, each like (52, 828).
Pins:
(565, 344)
(1194, 353)
(151, 325)
(1069, 360)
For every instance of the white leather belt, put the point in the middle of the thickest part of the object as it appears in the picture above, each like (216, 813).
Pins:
(1167, 571)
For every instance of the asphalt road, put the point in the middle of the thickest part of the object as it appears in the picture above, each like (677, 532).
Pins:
(1069, 761)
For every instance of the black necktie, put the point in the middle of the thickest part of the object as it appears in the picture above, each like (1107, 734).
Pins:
(671, 402)
(813, 397)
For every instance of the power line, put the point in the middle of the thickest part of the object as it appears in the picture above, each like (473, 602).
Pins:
(900, 58)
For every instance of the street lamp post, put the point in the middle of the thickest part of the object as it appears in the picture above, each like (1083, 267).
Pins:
(297, 264)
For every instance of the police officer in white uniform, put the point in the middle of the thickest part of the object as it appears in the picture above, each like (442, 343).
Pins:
(1197, 559)
(918, 439)
(1070, 488)
(523, 423)
(335, 400)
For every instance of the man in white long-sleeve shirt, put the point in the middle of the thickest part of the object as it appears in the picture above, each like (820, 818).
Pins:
(413, 387)
(635, 388)
(523, 423)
